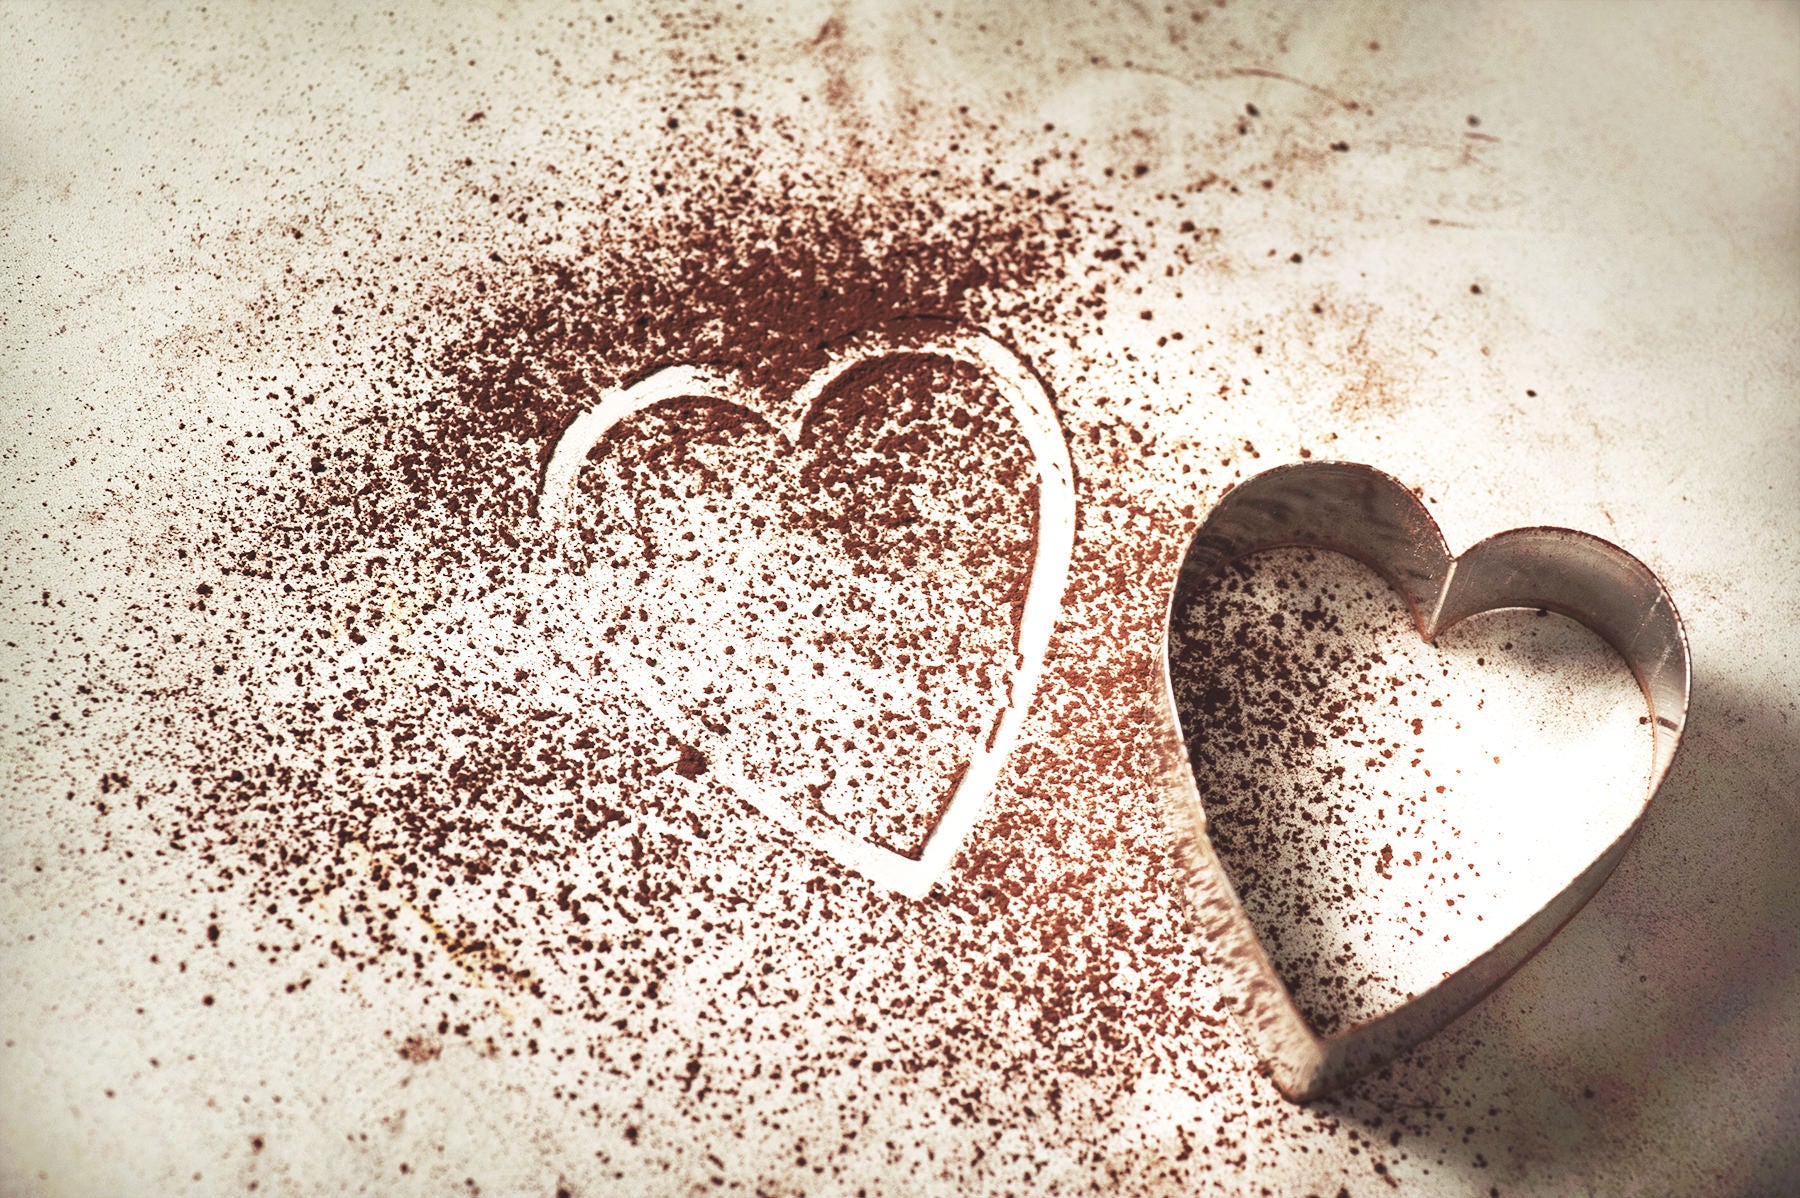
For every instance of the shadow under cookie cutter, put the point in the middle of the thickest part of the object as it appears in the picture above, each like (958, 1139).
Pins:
(1366, 515)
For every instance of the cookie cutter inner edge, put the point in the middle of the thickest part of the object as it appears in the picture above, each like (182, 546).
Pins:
(1369, 516)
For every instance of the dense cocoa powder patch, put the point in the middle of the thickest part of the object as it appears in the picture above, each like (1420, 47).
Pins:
(734, 282)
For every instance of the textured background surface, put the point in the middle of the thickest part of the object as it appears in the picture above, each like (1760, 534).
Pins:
(1579, 307)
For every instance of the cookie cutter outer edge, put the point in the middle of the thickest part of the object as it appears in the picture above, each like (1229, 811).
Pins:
(1365, 514)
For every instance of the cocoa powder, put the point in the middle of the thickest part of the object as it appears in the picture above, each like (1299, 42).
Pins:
(389, 698)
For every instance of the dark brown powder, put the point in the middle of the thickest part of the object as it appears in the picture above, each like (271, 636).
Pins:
(386, 699)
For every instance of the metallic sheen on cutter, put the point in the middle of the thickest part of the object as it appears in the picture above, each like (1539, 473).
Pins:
(1366, 515)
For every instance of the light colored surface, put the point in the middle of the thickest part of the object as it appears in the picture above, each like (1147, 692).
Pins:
(1632, 225)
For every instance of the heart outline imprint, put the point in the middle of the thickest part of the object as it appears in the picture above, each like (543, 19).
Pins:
(1364, 514)
(1028, 401)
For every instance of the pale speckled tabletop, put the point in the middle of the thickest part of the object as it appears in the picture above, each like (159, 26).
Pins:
(1553, 277)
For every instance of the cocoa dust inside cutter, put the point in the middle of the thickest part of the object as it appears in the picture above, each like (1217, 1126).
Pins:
(1366, 515)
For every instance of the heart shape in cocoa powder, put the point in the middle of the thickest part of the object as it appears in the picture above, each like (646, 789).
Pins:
(1026, 400)
(1366, 515)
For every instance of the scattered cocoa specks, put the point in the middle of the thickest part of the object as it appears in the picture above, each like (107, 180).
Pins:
(420, 1049)
(424, 750)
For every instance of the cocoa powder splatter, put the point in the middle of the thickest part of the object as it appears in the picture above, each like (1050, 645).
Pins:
(373, 710)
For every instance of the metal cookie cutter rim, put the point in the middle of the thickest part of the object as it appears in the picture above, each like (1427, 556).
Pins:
(1367, 515)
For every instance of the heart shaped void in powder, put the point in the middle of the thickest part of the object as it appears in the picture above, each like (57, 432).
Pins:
(831, 545)
(1327, 1036)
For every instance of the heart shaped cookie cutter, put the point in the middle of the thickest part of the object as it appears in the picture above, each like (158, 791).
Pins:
(1366, 515)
